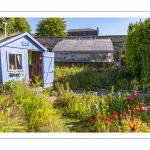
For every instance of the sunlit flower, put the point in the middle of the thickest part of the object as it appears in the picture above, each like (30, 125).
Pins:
(138, 109)
(145, 108)
(142, 104)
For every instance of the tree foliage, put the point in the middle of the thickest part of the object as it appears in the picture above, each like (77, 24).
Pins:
(51, 27)
(15, 25)
(138, 51)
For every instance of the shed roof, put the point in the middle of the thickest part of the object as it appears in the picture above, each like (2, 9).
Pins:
(18, 36)
(80, 30)
(84, 45)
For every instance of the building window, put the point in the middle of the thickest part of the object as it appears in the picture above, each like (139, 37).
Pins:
(15, 61)
(84, 33)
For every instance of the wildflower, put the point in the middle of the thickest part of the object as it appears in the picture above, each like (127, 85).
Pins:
(124, 114)
(9, 105)
(142, 104)
(145, 108)
(127, 116)
(68, 100)
(112, 116)
(129, 111)
(110, 120)
(94, 93)
(90, 119)
(102, 117)
(96, 130)
(95, 119)
(82, 97)
(133, 129)
(73, 97)
(138, 109)
(134, 95)
(114, 112)
(129, 99)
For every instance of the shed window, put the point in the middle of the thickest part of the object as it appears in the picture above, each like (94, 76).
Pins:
(15, 61)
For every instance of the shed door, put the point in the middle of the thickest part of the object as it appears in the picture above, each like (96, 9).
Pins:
(48, 69)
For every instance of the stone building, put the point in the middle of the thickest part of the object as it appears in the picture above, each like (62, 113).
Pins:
(83, 32)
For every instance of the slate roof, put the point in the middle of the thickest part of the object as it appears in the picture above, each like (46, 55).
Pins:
(84, 45)
(80, 30)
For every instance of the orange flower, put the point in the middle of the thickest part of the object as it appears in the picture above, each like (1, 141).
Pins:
(138, 109)
(73, 97)
(102, 117)
(142, 104)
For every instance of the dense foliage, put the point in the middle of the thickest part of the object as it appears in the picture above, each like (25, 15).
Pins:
(51, 27)
(15, 25)
(138, 51)
(92, 79)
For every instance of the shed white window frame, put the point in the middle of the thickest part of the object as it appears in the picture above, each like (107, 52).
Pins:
(17, 61)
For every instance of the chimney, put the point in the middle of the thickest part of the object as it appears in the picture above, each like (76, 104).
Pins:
(97, 31)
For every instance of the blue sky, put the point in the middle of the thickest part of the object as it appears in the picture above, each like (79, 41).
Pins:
(107, 26)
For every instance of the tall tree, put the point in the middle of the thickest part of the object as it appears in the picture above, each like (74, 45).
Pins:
(51, 27)
(14, 25)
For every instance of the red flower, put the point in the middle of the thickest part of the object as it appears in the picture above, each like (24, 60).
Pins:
(110, 120)
(95, 119)
(138, 109)
(112, 116)
(9, 105)
(129, 99)
(114, 112)
(90, 119)
(133, 129)
(129, 111)
(73, 97)
(96, 130)
(124, 114)
(142, 104)
(134, 95)
(102, 117)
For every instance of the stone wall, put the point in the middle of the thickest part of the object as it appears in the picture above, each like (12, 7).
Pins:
(50, 42)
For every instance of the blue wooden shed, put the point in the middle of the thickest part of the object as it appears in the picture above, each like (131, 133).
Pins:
(21, 56)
